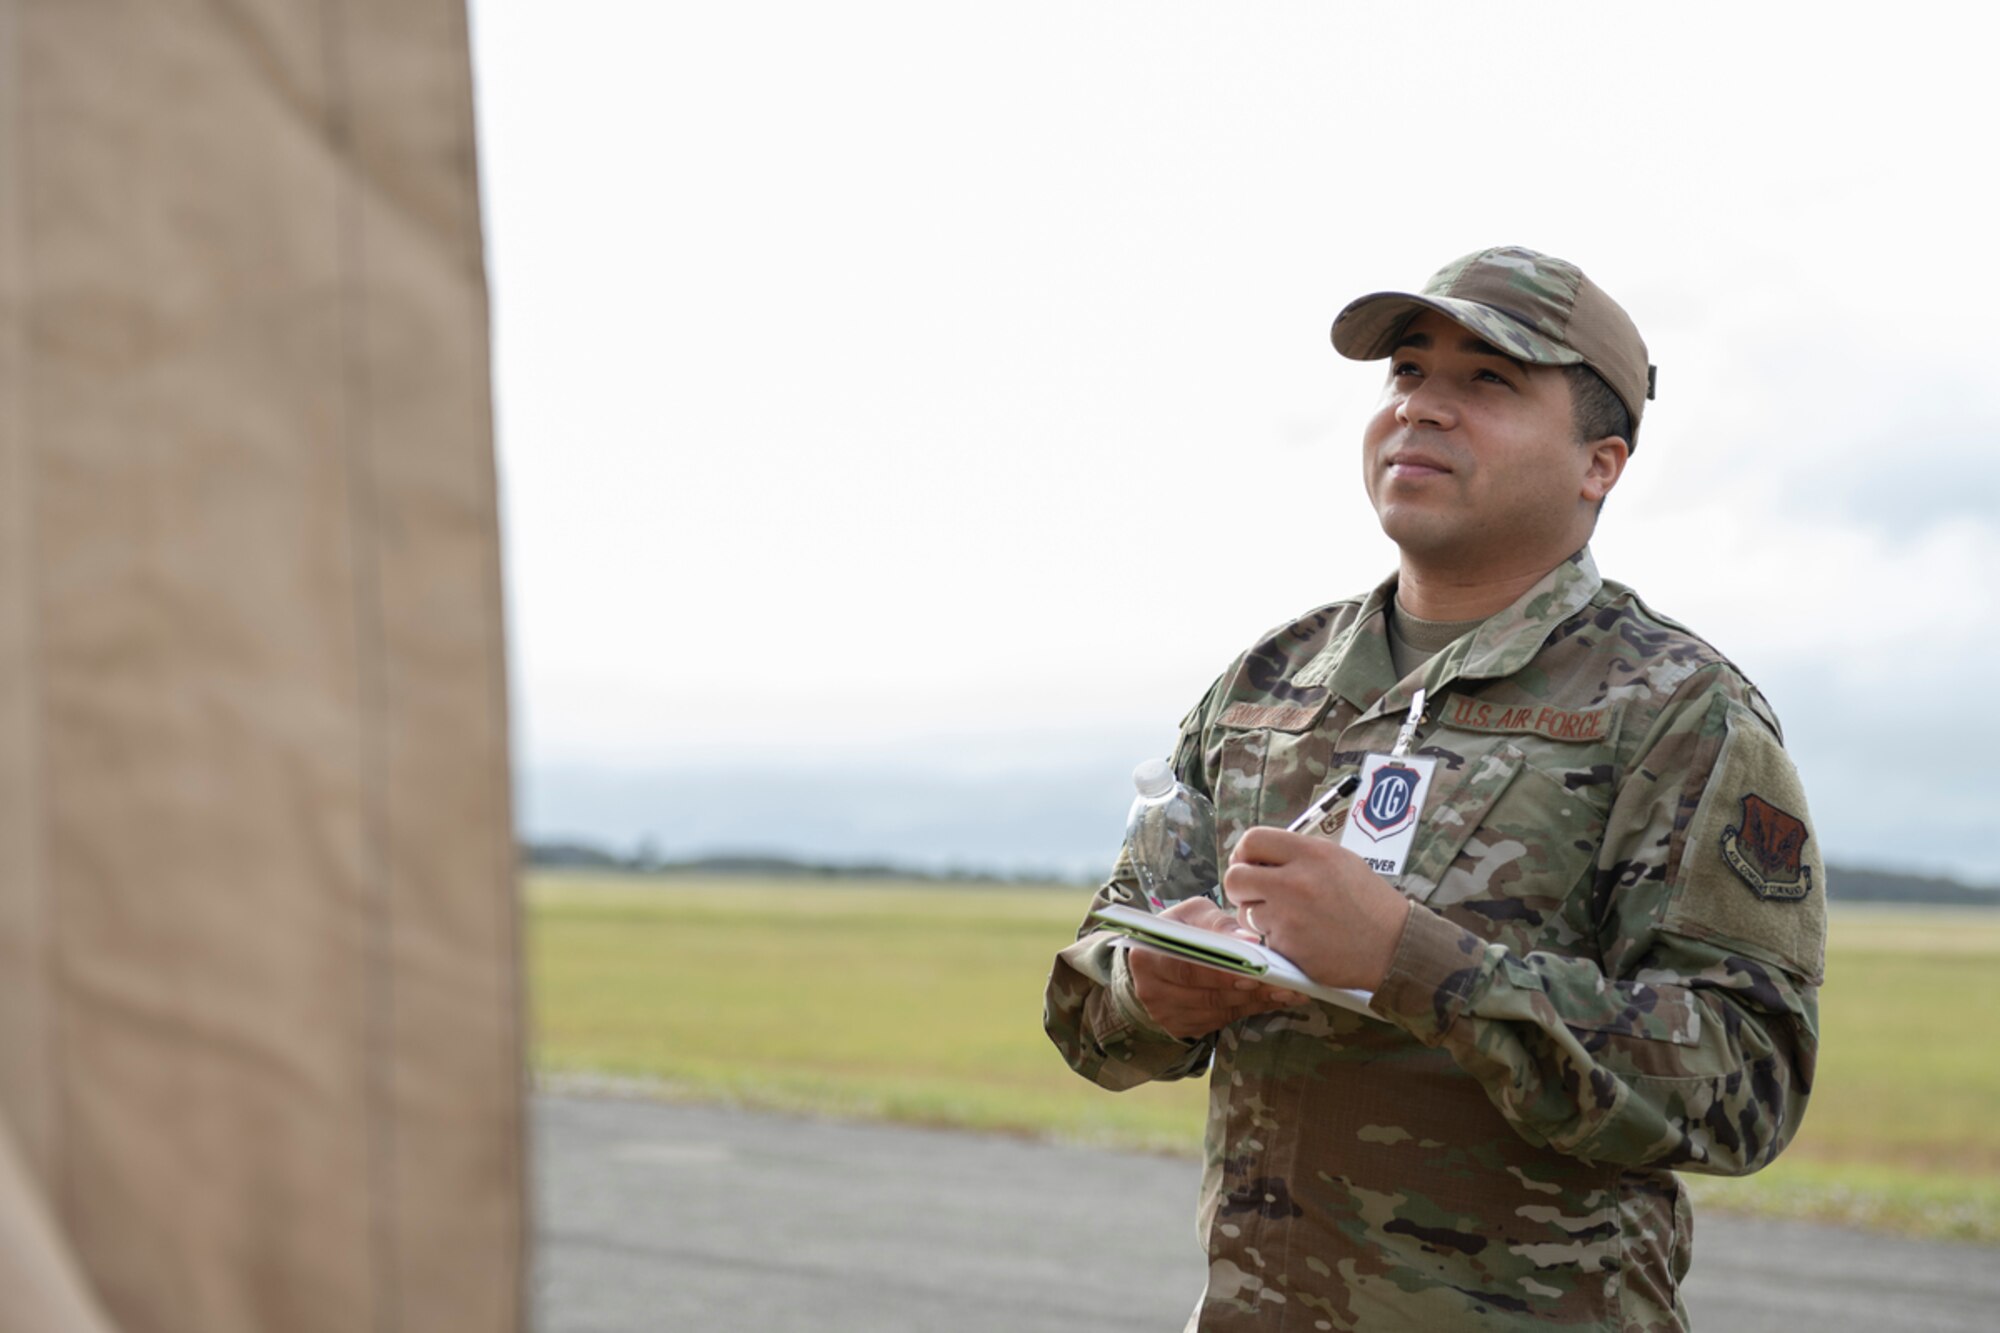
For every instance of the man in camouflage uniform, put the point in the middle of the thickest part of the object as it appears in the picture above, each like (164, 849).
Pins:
(1599, 962)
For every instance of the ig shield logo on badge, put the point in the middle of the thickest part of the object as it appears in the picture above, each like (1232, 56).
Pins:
(1390, 805)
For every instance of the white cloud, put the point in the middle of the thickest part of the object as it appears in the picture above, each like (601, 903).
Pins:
(886, 372)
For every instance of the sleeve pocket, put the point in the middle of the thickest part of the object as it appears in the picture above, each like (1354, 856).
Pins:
(1750, 875)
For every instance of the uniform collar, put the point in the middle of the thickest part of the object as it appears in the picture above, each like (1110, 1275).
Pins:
(1356, 665)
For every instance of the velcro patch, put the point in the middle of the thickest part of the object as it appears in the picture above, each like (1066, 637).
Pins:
(1750, 827)
(1765, 847)
(1556, 724)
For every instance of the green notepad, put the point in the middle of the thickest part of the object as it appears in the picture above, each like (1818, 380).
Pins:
(1225, 953)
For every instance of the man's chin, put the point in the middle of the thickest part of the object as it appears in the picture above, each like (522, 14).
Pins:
(1419, 532)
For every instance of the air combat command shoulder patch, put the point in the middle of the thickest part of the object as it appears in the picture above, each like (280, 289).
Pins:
(1766, 849)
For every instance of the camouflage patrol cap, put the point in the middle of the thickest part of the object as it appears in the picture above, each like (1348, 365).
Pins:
(1530, 305)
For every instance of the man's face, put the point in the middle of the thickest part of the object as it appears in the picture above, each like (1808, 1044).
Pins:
(1471, 460)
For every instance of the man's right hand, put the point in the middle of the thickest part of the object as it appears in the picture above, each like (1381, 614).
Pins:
(1190, 1000)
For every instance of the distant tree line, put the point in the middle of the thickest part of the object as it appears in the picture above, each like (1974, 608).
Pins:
(1850, 884)
(768, 865)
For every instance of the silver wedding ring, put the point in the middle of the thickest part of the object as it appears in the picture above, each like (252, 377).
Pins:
(1251, 921)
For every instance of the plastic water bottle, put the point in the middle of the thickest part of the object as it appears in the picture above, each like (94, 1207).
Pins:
(1170, 836)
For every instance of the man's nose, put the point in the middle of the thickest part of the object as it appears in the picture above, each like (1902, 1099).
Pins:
(1429, 404)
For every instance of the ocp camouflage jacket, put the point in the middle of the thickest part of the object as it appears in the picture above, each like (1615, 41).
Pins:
(1610, 973)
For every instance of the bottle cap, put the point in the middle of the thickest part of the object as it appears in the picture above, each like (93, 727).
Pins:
(1154, 779)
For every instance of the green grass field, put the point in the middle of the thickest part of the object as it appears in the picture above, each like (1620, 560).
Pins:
(923, 1003)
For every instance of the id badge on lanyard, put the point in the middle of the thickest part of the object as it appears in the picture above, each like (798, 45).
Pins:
(1382, 822)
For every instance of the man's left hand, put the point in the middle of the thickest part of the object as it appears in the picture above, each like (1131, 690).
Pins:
(1318, 904)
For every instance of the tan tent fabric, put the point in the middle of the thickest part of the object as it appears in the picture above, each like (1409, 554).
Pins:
(260, 1051)
(39, 1286)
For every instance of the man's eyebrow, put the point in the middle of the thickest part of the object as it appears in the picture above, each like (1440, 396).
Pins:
(1471, 343)
(1480, 347)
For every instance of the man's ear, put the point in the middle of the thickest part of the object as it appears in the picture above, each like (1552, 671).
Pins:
(1605, 462)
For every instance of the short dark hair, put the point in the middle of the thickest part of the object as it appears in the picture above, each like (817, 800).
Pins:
(1596, 410)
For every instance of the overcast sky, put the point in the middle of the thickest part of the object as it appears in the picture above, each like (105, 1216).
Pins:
(942, 389)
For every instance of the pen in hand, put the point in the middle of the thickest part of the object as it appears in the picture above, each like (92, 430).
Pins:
(1327, 799)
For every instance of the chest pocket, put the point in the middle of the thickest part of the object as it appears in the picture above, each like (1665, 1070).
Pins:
(1502, 847)
(1269, 762)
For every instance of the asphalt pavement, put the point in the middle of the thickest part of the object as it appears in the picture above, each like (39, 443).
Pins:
(654, 1217)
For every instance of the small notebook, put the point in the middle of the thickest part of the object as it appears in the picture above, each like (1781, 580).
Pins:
(1226, 953)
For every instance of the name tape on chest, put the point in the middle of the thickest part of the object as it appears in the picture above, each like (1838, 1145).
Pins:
(1280, 717)
(1556, 724)
(1382, 822)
